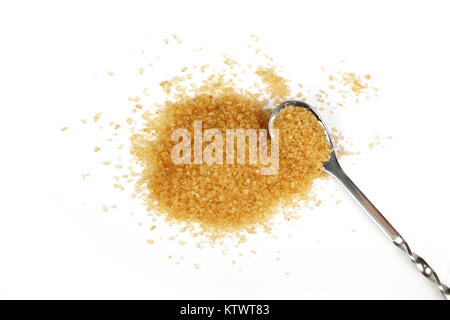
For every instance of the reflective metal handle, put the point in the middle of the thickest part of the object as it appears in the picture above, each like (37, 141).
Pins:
(333, 168)
(423, 267)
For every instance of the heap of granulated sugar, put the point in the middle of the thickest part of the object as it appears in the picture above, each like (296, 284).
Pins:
(215, 199)
(226, 198)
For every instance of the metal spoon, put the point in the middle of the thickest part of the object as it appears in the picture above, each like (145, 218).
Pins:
(333, 168)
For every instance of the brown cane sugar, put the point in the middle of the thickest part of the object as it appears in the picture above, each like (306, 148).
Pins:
(302, 139)
(219, 200)
(224, 199)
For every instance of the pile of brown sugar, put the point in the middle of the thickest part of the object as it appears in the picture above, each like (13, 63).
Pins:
(226, 199)
(221, 200)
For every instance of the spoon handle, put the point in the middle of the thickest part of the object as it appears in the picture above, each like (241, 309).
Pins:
(333, 168)
(337, 172)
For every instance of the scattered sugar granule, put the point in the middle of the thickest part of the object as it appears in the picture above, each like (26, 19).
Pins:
(375, 142)
(177, 39)
(97, 116)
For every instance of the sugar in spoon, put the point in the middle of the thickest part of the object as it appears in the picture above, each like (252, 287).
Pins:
(334, 169)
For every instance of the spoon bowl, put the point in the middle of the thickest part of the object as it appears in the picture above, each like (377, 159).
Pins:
(328, 166)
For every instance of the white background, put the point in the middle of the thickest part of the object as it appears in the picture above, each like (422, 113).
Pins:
(56, 242)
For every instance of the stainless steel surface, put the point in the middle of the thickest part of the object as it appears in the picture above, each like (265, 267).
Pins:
(423, 266)
(333, 168)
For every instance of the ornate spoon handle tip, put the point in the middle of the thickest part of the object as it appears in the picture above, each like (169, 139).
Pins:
(423, 266)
